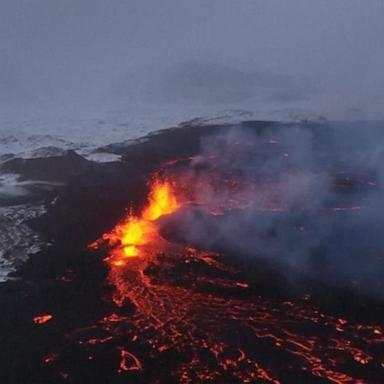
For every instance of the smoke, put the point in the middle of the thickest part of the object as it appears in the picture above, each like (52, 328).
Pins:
(306, 198)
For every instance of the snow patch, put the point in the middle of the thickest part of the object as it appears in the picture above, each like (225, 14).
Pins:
(17, 239)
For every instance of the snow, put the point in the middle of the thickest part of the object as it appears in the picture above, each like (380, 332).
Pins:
(17, 239)
(32, 135)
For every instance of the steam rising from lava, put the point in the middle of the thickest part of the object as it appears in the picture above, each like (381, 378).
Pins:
(297, 197)
(284, 195)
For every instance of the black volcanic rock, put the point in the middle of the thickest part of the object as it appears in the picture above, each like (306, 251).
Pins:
(53, 169)
(176, 142)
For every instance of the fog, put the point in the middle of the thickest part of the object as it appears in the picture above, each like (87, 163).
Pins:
(302, 57)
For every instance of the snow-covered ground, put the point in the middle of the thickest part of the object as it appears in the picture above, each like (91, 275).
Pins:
(17, 239)
(34, 134)
(48, 136)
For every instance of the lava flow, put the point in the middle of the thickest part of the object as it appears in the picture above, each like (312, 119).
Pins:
(184, 320)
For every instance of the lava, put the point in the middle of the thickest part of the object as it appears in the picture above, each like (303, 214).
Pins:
(128, 362)
(42, 319)
(216, 337)
(162, 308)
(50, 358)
(162, 201)
(131, 237)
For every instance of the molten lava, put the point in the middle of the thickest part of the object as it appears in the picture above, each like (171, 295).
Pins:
(162, 201)
(134, 234)
(42, 319)
(216, 338)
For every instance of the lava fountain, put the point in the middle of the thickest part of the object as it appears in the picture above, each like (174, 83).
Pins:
(135, 234)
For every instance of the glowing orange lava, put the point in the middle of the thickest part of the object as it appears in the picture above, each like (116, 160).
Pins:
(132, 236)
(42, 319)
(162, 201)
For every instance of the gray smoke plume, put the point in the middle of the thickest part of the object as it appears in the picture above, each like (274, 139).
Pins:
(307, 198)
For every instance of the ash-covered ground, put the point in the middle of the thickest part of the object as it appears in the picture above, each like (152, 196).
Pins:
(272, 271)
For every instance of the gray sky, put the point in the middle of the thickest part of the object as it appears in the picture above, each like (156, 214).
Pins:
(214, 52)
